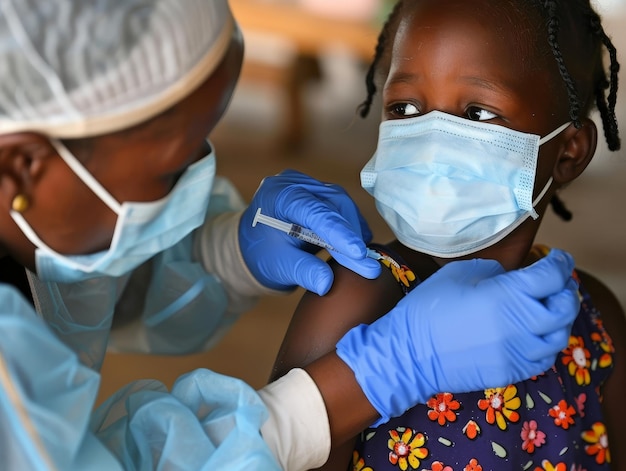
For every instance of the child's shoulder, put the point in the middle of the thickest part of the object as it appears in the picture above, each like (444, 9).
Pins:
(320, 321)
(603, 298)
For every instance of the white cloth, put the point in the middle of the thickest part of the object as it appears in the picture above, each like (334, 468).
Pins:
(297, 432)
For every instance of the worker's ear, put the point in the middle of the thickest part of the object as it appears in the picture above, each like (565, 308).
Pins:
(23, 157)
(578, 148)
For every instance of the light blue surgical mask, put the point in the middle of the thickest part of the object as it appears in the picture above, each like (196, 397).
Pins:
(143, 229)
(448, 186)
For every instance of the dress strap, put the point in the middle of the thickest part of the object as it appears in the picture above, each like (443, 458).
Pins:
(405, 277)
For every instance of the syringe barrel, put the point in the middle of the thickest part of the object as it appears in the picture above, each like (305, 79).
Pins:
(309, 236)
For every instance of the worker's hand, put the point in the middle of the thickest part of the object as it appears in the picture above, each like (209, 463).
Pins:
(282, 262)
(468, 327)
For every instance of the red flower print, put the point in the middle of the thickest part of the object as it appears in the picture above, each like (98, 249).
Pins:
(439, 466)
(576, 357)
(473, 466)
(531, 437)
(598, 443)
(580, 403)
(501, 404)
(471, 429)
(562, 414)
(547, 466)
(442, 408)
(406, 449)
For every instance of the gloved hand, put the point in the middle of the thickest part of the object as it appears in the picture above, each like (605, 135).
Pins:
(280, 261)
(468, 327)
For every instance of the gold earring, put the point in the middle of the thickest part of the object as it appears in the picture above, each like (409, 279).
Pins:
(20, 203)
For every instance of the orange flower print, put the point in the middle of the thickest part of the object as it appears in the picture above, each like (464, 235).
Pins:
(439, 466)
(606, 345)
(406, 449)
(547, 466)
(598, 443)
(471, 429)
(442, 408)
(576, 357)
(473, 466)
(358, 463)
(562, 413)
(501, 405)
(531, 437)
(401, 273)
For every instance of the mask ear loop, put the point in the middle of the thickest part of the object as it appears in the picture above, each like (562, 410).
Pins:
(554, 133)
(81, 172)
(543, 140)
(86, 177)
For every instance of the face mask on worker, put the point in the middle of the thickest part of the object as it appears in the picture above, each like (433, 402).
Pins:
(142, 229)
(448, 186)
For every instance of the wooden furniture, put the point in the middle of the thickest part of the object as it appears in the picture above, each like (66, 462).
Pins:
(311, 35)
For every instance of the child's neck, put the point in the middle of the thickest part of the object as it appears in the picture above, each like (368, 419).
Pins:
(510, 254)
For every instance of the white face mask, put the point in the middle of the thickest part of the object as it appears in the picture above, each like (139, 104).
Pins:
(142, 229)
(448, 186)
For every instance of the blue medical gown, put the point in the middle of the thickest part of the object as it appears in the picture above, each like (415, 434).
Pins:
(176, 306)
(49, 373)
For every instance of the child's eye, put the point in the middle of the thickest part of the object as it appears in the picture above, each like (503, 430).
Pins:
(479, 114)
(404, 110)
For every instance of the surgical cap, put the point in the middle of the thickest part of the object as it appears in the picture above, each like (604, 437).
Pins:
(78, 68)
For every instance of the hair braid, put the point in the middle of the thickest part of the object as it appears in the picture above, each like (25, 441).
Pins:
(606, 105)
(553, 22)
(370, 78)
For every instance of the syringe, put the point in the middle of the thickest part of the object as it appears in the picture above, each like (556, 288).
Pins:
(299, 232)
(294, 230)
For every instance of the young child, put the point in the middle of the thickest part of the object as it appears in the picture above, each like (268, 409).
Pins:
(110, 199)
(485, 109)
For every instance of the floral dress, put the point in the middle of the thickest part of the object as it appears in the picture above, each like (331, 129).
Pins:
(551, 422)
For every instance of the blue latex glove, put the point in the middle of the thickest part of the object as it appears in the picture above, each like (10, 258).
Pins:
(281, 262)
(468, 327)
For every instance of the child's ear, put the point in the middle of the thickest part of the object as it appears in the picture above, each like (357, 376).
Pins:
(578, 149)
(22, 162)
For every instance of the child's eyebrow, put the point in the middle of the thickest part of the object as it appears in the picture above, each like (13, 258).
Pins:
(492, 85)
(403, 77)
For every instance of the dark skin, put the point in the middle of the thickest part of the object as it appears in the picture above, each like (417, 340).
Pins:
(448, 56)
(139, 164)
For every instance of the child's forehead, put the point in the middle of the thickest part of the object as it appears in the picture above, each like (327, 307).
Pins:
(501, 31)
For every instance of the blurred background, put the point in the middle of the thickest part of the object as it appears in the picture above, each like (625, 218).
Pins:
(295, 107)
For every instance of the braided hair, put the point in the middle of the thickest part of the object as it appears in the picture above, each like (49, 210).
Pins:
(578, 14)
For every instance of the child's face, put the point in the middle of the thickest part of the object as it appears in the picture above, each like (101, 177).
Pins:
(138, 164)
(463, 58)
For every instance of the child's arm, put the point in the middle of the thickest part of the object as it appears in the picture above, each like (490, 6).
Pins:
(613, 391)
(319, 322)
